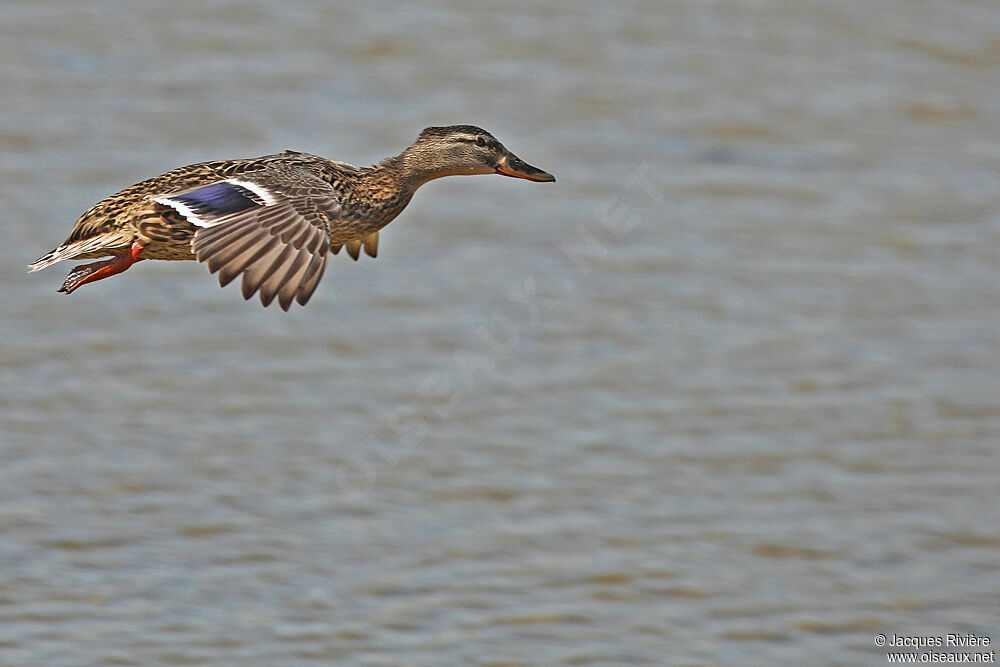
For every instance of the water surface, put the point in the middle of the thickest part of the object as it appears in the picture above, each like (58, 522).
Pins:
(725, 393)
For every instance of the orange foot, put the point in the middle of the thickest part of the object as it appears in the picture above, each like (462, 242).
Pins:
(88, 273)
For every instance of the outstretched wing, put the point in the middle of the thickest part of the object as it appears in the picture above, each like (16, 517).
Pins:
(270, 225)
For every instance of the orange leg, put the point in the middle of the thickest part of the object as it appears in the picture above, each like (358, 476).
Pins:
(88, 273)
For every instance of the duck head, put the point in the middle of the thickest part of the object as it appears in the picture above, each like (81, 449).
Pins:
(458, 150)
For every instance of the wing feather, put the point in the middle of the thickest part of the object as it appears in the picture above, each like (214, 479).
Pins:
(273, 276)
(289, 267)
(271, 226)
(311, 278)
(293, 279)
(256, 272)
(231, 264)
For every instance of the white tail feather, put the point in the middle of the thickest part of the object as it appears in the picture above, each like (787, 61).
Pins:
(108, 242)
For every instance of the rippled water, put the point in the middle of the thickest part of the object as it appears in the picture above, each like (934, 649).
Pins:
(727, 392)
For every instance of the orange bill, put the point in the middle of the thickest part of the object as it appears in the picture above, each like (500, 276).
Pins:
(511, 165)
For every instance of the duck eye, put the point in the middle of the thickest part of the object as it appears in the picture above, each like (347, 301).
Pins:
(480, 141)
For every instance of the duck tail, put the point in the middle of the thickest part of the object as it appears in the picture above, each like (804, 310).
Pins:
(94, 246)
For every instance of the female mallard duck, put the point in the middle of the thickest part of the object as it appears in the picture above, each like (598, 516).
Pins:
(272, 219)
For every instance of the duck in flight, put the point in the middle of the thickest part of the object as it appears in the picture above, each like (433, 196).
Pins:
(275, 219)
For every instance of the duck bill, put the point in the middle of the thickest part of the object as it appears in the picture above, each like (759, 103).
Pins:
(511, 165)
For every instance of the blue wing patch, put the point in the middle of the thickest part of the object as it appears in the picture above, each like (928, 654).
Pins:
(217, 199)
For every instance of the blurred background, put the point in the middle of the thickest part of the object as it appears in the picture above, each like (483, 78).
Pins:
(727, 392)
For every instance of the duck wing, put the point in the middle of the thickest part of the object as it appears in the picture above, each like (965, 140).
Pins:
(271, 225)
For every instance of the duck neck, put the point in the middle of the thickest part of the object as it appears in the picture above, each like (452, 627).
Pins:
(384, 189)
(414, 168)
